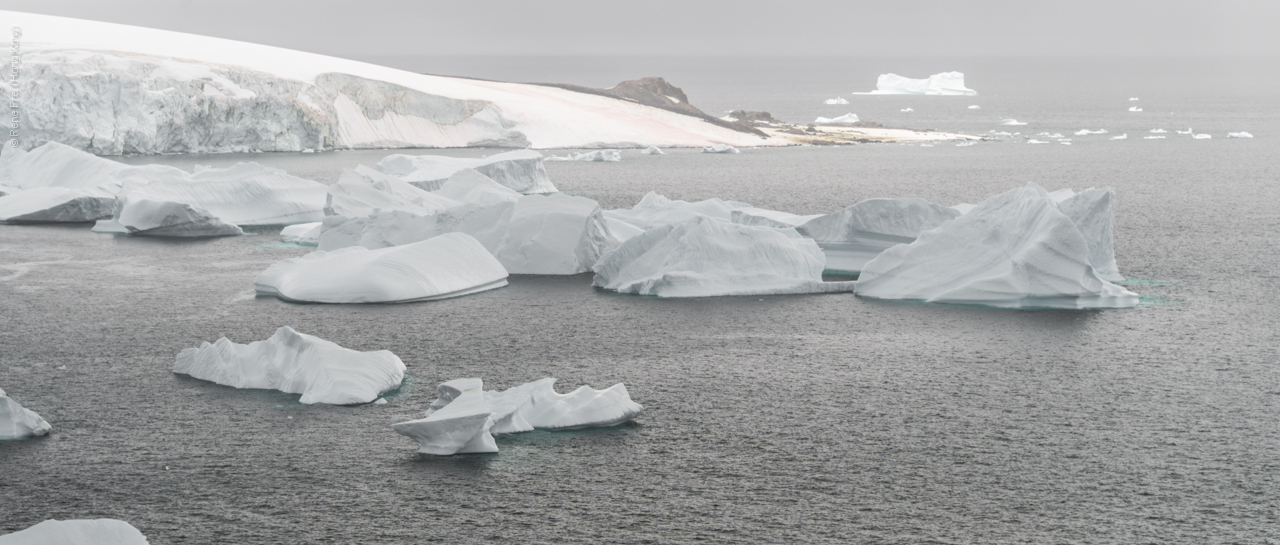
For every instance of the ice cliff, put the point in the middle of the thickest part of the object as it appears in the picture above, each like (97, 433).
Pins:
(295, 363)
(77, 532)
(945, 83)
(17, 422)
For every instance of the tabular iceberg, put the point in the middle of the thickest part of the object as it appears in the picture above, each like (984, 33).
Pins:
(945, 83)
(1241, 134)
(1015, 250)
(77, 532)
(652, 150)
(556, 234)
(303, 233)
(17, 422)
(842, 120)
(706, 257)
(721, 148)
(244, 194)
(851, 237)
(362, 190)
(446, 266)
(520, 170)
(57, 205)
(1086, 132)
(295, 363)
(464, 417)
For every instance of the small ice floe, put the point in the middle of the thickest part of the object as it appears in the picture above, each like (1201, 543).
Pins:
(1188, 131)
(77, 532)
(17, 422)
(295, 363)
(307, 234)
(975, 107)
(965, 143)
(836, 101)
(721, 148)
(1158, 131)
(926, 145)
(1201, 136)
(1086, 132)
(1011, 122)
(1051, 135)
(1241, 134)
(1065, 142)
(1133, 98)
(380, 401)
(1002, 133)
(844, 119)
(1120, 137)
(308, 150)
(464, 417)
(1135, 109)
(652, 150)
(1034, 141)
(906, 110)
(1154, 137)
(520, 170)
(945, 83)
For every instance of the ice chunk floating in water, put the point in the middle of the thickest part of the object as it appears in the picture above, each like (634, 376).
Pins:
(720, 148)
(1015, 250)
(17, 422)
(1135, 109)
(1201, 136)
(945, 83)
(1239, 135)
(596, 156)
(556, 234)
(295, 363)
(706, 257)
(1011, 122)
(652, 150)
(836, 101)
(846, 119)
(307, 234)
(446, 266)
(851, 237)
(975, 107)
(57, 205)
(457, 423)
(77, 532)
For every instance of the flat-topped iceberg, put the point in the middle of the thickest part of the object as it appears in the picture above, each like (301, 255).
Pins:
(556, 234)
(57, 205)
(846, 119)
(77, 532)
(1015, 250)
(295, 363)
(464, 417)
(362, 190)
(945, 83)
(449, 265)
(840, 101)
(721, 148)
(852, 236)
(17, 422)
(520, 170)
(705, 257)
(1240, 134)
(244, 194)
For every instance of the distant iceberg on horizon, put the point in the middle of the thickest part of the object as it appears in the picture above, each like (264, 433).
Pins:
(942, 84)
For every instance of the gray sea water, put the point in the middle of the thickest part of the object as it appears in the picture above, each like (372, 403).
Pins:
(785, 419)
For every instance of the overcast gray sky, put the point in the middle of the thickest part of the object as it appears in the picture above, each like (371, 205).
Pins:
(364, 28)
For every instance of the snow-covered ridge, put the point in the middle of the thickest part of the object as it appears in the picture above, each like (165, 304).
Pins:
(114, 89)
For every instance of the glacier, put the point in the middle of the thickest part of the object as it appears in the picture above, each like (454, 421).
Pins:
(295, 363)
(449, 265)
(520, 170)
(555, 234)
(1014, 250)
(77, 532)
(844, 119)
(853, 236)
(705, 257)
(464, 417)
(114, 89)
(945, 83)
(17, 422)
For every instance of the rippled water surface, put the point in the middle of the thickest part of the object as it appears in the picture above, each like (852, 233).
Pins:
(823, 418)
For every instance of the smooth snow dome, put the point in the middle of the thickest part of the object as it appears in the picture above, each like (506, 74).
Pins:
(836, 101)
(458, 422)
(555, 234)
(155, 91)
(1015, 250)
(720, 148)
(520, 170)
(17, 422)
(303, 233)
(1241, 134)
(446, 266)
(141, 216)
(652, 150)
(852, 236)
(243, 194)
(295, 363)
(1011, 122)
(57, 205)
(655, 210)
(844, 119)
(706, 257)
(77, 532)
(360, 191)
(945, 83)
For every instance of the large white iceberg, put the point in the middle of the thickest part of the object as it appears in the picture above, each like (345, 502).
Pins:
(57, 165)
(295, 363)
(945, 83)
(77, 532)
(844, 119)
(1016, 249)
(446, 266)
(57, 205)
(520, 170)
(655, 210)
(1093, 211)
(17, 422)
(1011, 122)
(362, 190)
(556, 234)
(852, 236)
(707, 257)
(245, 194)
(116, 89)
(464, 417)
(487, 224)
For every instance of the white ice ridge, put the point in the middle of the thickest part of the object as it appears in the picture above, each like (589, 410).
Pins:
(449, 265)
(842, 120)
(945, 83)
(839, 101)
(1241, 134)
(464, 417)
(307, 234)
(77, 532)
(556, 234)
(760, 217)
(595, 156)
(720, 148)
(520, 170)
(17, 422)
(705, 257)
(115, 89)
(1016, 250)
(852, 236)
(1011, 122)
(295, 363)
(652, 150)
